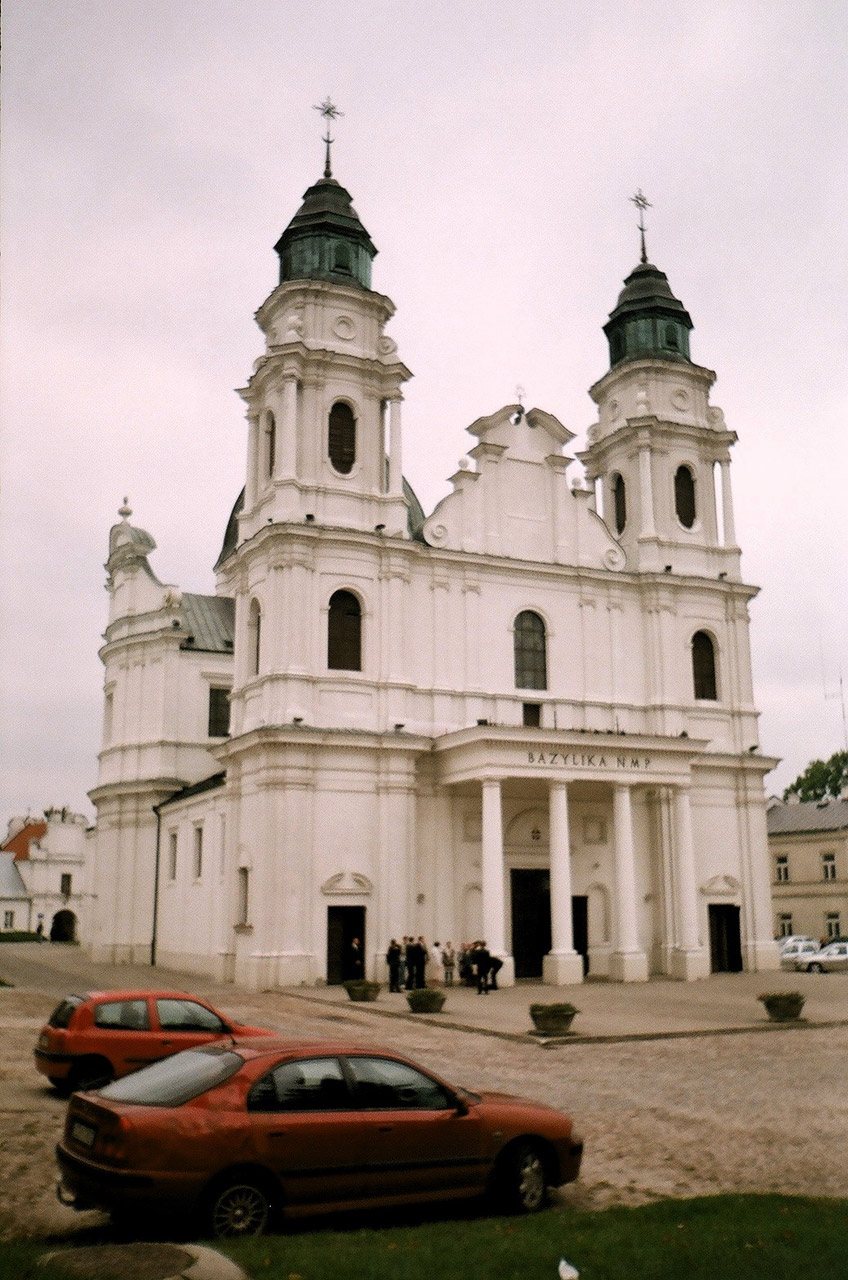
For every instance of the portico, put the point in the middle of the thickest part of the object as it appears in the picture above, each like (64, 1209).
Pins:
(636, 870)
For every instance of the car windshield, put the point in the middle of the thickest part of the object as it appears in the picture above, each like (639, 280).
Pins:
(175, 1080)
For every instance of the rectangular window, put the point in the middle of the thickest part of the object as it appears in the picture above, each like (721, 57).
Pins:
(781, 869)
(219, 713)
(532, 714)
(784, 925)
(198, 852)
(831, 925)
(8, 919)
(172, 855)
(108, 713)
(65, 889)
(828, 866)
(243, 905)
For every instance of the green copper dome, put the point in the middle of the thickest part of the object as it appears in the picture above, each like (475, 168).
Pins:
(325, 239)
(648, 320)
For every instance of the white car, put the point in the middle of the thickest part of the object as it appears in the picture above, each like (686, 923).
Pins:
(792, 938)
(795, 955)
(831, 959)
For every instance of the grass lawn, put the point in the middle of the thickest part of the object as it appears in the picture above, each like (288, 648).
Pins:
(743, 1237)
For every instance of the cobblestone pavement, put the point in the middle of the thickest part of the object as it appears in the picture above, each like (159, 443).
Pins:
(759, 1109)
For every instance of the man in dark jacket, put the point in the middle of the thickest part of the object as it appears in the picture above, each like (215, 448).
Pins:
(393, 961)
(482, 962)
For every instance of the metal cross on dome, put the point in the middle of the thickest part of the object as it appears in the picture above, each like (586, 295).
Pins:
(642, 203)
(329, 111)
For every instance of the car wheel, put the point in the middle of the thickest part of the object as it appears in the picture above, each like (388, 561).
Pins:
(239, 1208)
(814, 968)
(525, 1179)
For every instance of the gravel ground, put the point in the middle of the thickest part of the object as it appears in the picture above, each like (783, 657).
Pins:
(683, 1117)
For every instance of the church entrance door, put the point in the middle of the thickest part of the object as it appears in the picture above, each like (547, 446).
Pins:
(725, 939)
(580, 927)
(531, 919)
(343, 925)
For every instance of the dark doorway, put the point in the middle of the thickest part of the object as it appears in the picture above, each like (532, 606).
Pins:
(343, 925)
(725, 939)
(531, 920)
(64, 927)
(580, 928)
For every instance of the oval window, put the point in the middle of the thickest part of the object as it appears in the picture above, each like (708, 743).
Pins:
(342, 438)
(684, 496)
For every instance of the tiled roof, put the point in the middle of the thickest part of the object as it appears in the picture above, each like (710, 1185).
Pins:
(812, 815)
(20, 841)
(11, 884)
(210, 623)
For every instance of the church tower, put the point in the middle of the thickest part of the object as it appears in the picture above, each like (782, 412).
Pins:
(323, 403)
(660, 452)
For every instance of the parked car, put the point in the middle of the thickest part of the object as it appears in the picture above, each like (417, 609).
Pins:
(103, 1035)
(791, 938)
(795, 954)
(831, 959)
(238, 1134)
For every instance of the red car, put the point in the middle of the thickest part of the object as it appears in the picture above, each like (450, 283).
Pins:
(238, 1134)
(103, 1035)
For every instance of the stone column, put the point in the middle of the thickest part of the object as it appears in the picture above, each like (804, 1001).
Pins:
(493, 884)
(286, 464)
(727, 504)
(395, 454)
(646, 491)
(628, 962)
(252, 462)
(562, 966)
(689, 958)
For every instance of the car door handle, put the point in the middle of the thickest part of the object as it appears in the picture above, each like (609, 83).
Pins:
(385, 1128)
(278, 1133)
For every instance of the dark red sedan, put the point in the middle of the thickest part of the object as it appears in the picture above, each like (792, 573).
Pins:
(102, 1035)
(240, 1134)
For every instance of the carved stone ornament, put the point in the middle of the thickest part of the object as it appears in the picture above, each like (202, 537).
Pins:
(680, 398)
(347, 882)
(614, 558)
(294, 327)
(344, 328)
(388, 346)
(720, 885)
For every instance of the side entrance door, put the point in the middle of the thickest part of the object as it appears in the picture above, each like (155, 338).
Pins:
(343, 925)
(725, 938)
(531, 919)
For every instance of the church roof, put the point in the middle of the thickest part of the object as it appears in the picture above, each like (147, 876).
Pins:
(209, 621)
(808, 816)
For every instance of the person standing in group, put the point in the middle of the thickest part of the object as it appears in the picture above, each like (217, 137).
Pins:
(448, 963)
(357, 963)
(393, 960)
(420, 962)
(495, 966)
(436, 971)
(482, 962)
(409, 962)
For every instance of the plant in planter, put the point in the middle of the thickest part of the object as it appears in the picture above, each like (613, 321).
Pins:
(362, 989)
(425, 1000)
(553, 1019)
(783, 1006)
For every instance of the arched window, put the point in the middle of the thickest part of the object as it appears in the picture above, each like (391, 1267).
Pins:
(704, 667)
(271, 453)
(341, 445)
(619, 500)
(254, 637)
(671, 336)
(531, 662)
(344, 632)
(684, 496)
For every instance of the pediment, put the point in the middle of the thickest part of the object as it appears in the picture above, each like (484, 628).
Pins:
(719, 885)
(347, 882)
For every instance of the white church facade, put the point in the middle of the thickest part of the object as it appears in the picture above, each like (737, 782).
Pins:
(527, 716)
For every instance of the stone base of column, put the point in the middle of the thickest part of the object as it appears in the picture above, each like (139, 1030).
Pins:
(629, 966)
(760, 957)
(506, 976)
(689, 965)
(562, 968)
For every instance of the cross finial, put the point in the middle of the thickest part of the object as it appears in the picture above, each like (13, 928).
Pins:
(642, 203)
(330, 112)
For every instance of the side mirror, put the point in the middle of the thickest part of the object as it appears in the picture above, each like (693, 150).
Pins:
(460, 1105)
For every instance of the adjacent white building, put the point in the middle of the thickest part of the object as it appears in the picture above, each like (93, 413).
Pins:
(526, 716)
(44, 876)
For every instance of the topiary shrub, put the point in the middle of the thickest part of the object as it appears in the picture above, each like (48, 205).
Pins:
(425, 1000)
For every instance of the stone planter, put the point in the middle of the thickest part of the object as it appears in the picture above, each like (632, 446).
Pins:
(425, 1000)
(552, 1019)
(783, 1006)
(362, 989)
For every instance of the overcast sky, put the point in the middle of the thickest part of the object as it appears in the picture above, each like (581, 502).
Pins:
(155, 149)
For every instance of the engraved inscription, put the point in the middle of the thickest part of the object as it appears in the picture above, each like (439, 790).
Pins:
(588, 760)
